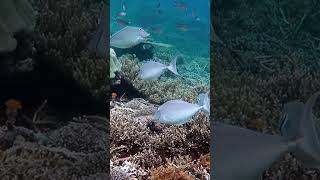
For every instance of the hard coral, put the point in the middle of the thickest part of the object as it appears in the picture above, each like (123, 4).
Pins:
(260, 68)
(132, 138)
(28, 160)
(161, 90)
(62, 36)
(170, 173)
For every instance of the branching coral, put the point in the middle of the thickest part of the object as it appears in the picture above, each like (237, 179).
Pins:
(133, 137)
(91, 74)
(170, 173)
(62, 36)
(262, 65)
(68, 161)
(161, 90)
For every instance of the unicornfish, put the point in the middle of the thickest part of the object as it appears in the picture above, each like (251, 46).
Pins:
(130, 36)
(152, 70)
(177, 112)
(242, 154)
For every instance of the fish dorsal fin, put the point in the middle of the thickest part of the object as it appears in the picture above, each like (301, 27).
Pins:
(120, 31)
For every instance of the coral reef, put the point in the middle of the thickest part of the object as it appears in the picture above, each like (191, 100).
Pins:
(170, 173)
(62, 34)
(49, 143)
(64, 156)
(160, 91)
(146, 145)
(262, 63)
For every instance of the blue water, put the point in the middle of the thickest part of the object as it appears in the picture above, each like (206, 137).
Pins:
(143, 13)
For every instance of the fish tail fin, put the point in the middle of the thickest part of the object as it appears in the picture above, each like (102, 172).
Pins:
(299, 127)
(173, 66)
(204, 101)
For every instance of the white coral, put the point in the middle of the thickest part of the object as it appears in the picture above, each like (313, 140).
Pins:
(115, 64)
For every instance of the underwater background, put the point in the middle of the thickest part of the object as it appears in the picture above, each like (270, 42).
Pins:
(141, 148)
(163, 26)
(172, 25)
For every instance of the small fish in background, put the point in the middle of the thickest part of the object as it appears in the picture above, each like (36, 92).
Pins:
(178, 112)
(181, 5)
(235, 146)
(122, 23)
(156, 30)
(152, 70)
(124, 7)
(182, 27)
(121, 14)
(124, 11)
(159, 11)
(194, 14)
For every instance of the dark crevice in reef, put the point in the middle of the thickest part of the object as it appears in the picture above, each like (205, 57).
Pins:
(124, 87)
(65, 97)
(142, 51)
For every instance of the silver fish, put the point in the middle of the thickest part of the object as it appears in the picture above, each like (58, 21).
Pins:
(122, 22)
(247, 154)
(128, 36)
(121, 13)
(152, 70)
(99, 41)
(177, 112)
(124, 6)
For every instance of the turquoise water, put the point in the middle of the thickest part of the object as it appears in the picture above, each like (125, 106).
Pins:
(144, 13)
(187, 30)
